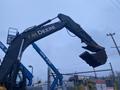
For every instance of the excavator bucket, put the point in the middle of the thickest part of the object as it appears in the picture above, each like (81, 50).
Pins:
(96, 59)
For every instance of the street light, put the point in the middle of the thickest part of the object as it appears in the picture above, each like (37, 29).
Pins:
(30, 66)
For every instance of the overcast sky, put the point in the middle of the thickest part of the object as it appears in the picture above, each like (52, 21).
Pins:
(97, 17)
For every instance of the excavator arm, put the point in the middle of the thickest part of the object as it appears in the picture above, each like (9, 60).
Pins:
(95, 59)
(23, 40)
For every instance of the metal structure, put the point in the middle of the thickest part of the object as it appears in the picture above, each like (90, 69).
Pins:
(12, 32)
(27, 73)
(9, 66)
(59, 77)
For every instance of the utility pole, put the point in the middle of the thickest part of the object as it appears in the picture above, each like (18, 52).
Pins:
(112, 70)
(49, 78)
(113, 74)
(95, 73)
(111, 35)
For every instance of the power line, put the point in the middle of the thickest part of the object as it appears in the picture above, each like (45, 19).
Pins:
(85, 72)
(118, 2)
(114, 3)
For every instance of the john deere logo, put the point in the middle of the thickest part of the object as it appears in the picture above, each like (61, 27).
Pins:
(45, 30)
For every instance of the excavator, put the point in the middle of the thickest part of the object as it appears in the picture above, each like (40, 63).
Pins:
(95, 55)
